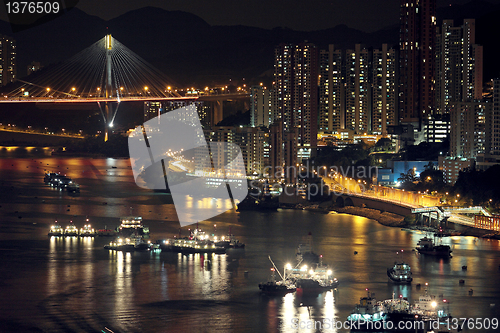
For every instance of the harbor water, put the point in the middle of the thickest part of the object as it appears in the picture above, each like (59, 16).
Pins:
(57, 284)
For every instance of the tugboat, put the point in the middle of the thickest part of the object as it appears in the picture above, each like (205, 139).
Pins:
(71, 230)
(275, 288)
(426, 246)
(87, 231)
(56, 230)
(47, 179)
(400, 272)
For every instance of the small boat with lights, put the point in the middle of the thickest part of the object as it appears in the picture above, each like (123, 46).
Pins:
(426, 246)
(56, 230)
(71, 230)
(227, 242)
(400, 273)
(132, 243)
(312, 278)
(277, 288)
(187, 246)
(87, 230)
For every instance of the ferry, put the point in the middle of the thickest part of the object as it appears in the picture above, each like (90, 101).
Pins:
(71, 230)
(131, 235)
(426, 246)
(56, 230)
(87, 230)
(400, 273)
(131, 225)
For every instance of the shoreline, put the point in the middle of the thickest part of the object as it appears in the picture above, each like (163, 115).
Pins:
(384, 218)
(393, 220)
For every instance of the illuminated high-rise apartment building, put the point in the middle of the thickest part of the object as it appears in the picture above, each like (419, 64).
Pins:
(459, 65)
(384, 89)
(8, 68)
(331, 91)
(296, 88)
(417, 60)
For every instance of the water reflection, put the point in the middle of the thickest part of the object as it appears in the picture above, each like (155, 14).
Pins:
(304, 314)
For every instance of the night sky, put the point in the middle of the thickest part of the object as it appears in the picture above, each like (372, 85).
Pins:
(304, 15)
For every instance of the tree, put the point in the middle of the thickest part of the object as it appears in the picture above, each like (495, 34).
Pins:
(408, 179)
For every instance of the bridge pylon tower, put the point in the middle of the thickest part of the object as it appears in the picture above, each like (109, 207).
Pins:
(108, 107)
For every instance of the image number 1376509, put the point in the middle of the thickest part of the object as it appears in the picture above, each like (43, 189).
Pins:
(38, 7)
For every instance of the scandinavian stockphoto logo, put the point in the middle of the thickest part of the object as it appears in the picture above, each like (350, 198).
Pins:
(170, 153)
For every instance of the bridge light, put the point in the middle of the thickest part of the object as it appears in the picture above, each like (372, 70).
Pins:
(48, 89)
(146, 88)
(121, 88)
(73, 89)
(169, 88)
(110, 124)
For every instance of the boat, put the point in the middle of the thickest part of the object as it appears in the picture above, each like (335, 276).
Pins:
(56, 230)
(426, 246)
(131, 235)
(187, 246)
(375, 316)
(47, 178)
(71, 230)
(132, 243)
(106, 232)
(228, 241)
(400, 273)
(61, 181)
(87, 230)
(131, 225)
(305, 254)
(73, 187)
(434, 312)
(314, 278)
(367, 311)
(276, 288)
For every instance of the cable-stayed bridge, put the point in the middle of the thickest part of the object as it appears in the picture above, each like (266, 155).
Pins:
(106, 73)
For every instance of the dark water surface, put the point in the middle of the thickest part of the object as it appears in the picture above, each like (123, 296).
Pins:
(74, 285)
